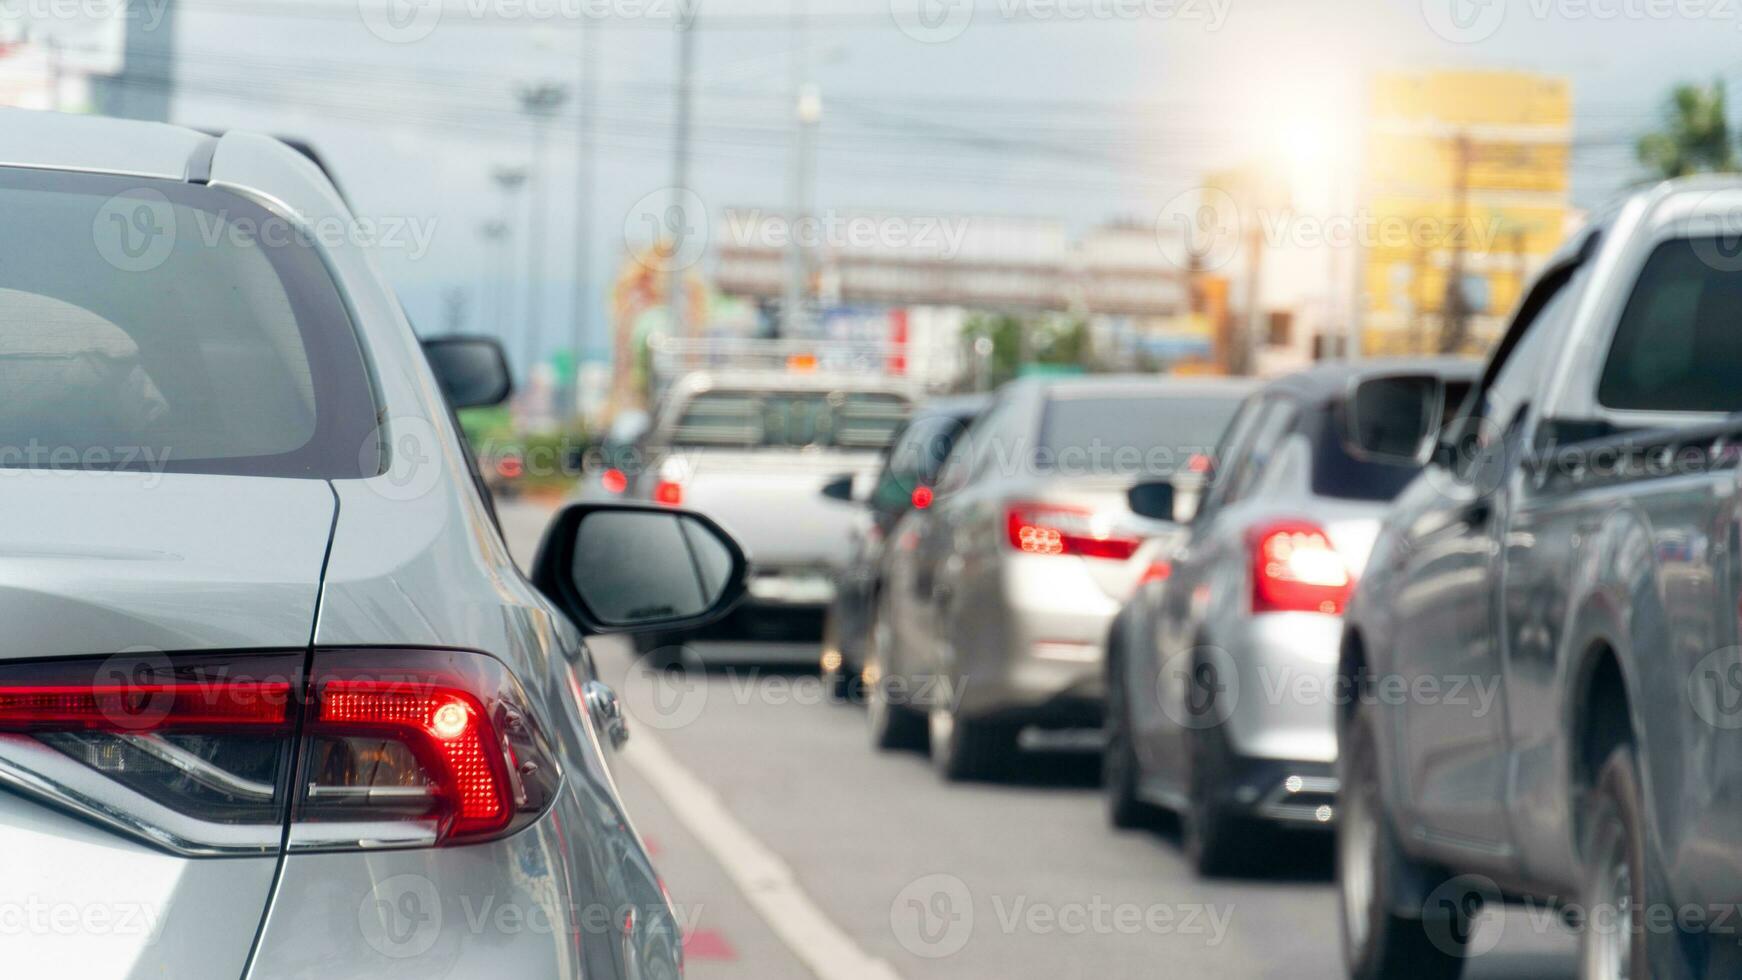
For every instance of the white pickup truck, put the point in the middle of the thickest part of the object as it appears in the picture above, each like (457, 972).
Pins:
(752, 449)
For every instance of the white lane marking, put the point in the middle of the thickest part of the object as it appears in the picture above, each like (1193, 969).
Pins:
(766, 881)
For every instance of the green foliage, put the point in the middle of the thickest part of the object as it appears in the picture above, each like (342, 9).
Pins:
(1695, 137)
(1054, 341)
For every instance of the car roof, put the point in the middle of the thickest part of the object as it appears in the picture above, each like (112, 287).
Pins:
(100, 144)
(700, 381)
(954, 406)
(1090, 385)
(1333, 378)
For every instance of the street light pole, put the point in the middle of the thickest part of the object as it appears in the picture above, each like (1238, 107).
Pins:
(680, 174)
(539, 101)
(807, 113)
(583, 265)
(510, 180)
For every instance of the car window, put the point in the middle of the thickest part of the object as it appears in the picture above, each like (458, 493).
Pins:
(1273, 426)
(158, 325)
(1233, 442)
(1677, 347)
(915, 459)
(757, 419)
(1140, 433)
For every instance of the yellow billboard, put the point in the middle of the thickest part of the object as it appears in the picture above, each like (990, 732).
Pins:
(1464, 170)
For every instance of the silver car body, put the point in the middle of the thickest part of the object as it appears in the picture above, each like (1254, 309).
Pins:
(115, 561)
(1201, 617)
(995, 634)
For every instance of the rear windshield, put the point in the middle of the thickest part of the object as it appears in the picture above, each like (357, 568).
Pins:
(1136, 433)
(1338, 474)
(171, 327)
(790, 419)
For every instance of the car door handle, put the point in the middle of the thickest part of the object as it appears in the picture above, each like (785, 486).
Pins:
(607, 712)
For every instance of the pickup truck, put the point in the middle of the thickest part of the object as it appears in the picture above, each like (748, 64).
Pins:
(753, 449)
(1539, 677)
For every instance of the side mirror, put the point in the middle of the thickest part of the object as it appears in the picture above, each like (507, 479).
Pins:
(1393, 419)
(839, 488)
(473, 371)
(626, 568)
(1154, 500)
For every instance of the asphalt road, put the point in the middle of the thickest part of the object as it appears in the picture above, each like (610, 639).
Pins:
(795, 850)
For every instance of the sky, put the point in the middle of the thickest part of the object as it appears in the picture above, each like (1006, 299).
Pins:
(1076, 111)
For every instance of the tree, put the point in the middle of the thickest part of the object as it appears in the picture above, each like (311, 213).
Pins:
(1696, 134)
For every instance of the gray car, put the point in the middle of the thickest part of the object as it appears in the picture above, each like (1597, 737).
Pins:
(1251, 604)
(274, 700)
(996, 598)
(1542, 664)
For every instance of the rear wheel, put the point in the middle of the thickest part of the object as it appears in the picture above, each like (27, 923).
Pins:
(1377, 942)
(1119, 767)
(1215, 841)
(894, 725)
(1614, 942)
(962, 749)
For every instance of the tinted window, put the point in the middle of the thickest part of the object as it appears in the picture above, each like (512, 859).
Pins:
(1678, 347)
(1137, 433)
(789, 419)
(160, 325)
(916, 458)
(1338, 474)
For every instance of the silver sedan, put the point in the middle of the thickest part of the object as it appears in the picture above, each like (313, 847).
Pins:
(274, 701)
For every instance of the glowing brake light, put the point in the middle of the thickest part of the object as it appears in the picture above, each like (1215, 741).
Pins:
(668, 492)
(1295, 568)
(221, 753)
(1158, 571)
(922, 498)
(614, 480)
(1049, 529)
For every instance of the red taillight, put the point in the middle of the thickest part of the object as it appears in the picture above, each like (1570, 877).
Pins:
(1158, 571)
(614, 481)
(1048, 529)
(510, 468)
(142, 707)
(668, 492)
(1295, 568)
(214, 753)
(445, 729)
(922, 498)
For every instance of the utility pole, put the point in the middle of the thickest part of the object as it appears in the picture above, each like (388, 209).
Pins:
(1252, 338)
(1455, 317)
(680, 176)
(509, 180)
(583, 270)
(495, 236)
(807, 113)
(454, 308)
(540, 101)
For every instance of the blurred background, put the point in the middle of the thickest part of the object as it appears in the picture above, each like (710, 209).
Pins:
(954, 191)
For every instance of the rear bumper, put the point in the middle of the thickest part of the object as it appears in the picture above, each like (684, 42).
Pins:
(1288, 792)
(1284, 700)
(1041, 660)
